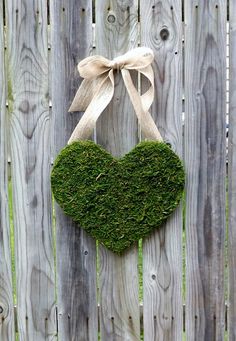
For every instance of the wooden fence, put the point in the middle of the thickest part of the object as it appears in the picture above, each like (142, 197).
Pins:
(62, 276)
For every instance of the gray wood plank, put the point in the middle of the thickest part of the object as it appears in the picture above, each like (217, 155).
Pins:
(232, 175)
(205, 44)
(6, 298)
(161, 29)
(116, 33)
(71, 41)
(30, 155)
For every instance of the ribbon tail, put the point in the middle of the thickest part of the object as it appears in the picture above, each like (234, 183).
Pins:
(84, 94)
(101, 98)
(146, 121)
(148, 96)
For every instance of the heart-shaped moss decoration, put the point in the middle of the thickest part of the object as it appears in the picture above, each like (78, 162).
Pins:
(118, 201)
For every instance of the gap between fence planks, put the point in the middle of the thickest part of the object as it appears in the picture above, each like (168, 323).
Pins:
(116, 33)
(71, 41)
(205, 71)
(6, 297)
(161, 29)
(232, 174)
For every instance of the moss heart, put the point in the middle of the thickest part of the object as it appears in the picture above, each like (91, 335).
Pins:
(118, 201)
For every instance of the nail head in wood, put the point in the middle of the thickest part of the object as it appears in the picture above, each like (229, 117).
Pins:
(111, 18)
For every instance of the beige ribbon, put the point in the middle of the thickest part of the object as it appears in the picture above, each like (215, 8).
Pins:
(97, 89)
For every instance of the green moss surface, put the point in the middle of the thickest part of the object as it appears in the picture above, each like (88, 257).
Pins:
(118, 201)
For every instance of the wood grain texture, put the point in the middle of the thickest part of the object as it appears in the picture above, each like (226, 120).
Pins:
(205, 44)
(116, 33)
(161, 30)
(232, 176)
(30, 155)
(71, 41)
(6, 299)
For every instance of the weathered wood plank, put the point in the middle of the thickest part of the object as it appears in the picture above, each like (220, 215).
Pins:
(116, 33)
(205, 45)
(30, 155)
(232, 175)
(161, 29)
(71, 41)
(6, 298)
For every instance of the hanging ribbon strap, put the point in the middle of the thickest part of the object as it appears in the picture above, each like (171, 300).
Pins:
(97, 89)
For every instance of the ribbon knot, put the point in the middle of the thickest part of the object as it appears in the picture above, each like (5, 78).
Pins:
(115, 65)
(97, 89)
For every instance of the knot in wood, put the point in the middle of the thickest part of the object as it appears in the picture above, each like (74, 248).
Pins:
(1, 309)
(164, 34)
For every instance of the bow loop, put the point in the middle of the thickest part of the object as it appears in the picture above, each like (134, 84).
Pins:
(97, 88)
(138, 58)
(94, 66)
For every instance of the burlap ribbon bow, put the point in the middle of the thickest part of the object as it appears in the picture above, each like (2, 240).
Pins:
(97, 89)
